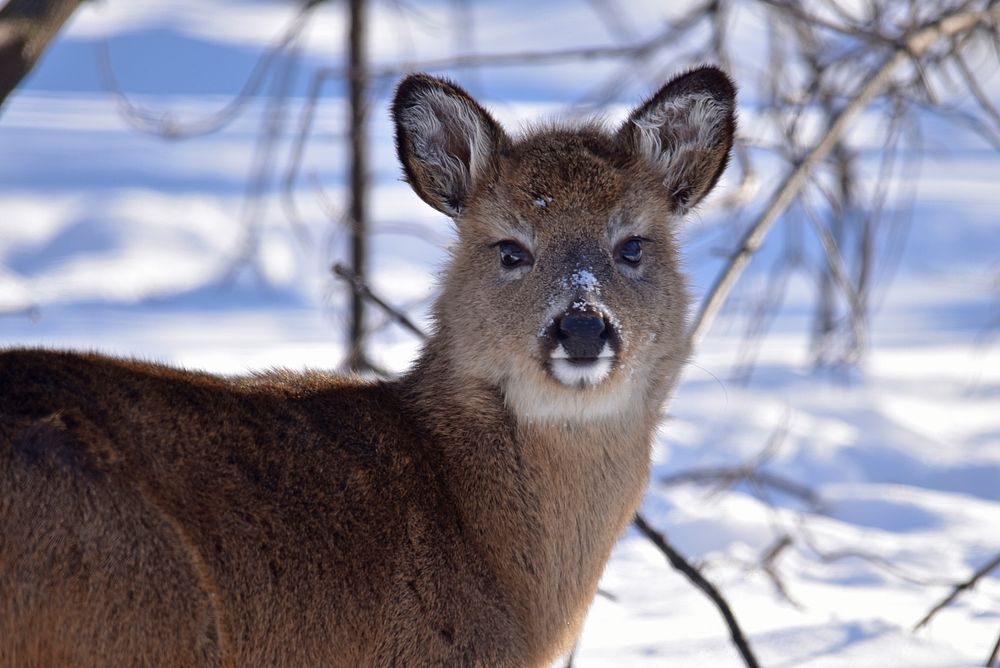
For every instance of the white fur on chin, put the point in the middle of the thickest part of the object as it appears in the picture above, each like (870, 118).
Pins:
(581, 375)
(579, 395)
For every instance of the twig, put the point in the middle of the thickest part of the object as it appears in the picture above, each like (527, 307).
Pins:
(542, 57)
(161, 123)
(298, 150)
(994, 655)
(838, 272)
(698, 580)
(613, 85)
(958, 589)
(732, 474)
(610, 16)
(912, 46)
(802, 16)
(571, 655)
(361, 289)
(272, 124)
(977, 90)
(26, 29)
(768, 564)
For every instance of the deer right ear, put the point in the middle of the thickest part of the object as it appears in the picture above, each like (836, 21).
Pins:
(685, 132)
(445, 140)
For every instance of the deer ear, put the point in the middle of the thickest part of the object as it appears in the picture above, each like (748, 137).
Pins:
(445, 140)
(685, 132)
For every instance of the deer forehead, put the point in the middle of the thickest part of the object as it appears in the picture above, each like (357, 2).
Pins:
(563, 187)
(553, 173)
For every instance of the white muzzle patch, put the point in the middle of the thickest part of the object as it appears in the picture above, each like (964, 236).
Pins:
(588, 373)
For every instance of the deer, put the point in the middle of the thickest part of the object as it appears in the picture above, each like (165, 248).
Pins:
(460, 514)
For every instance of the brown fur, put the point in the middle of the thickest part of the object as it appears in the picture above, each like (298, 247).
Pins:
(152, 516)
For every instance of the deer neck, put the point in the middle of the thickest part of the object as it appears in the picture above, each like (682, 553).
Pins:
(544, 502)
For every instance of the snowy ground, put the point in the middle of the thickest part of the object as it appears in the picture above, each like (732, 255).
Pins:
(123, 243)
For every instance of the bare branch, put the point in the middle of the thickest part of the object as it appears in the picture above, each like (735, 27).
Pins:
(983, 571)
(913, 45)
(542, 57)
(802, 16)
(698, 580)
(768, 565)
(26, 29)
(838, 271)
(361, 289)
(616, 82)
(994, 655)
(977, 91)
(730, 475)
(162, 123)
(291, 210)
(613, 19)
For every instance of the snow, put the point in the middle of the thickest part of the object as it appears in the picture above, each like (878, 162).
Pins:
(584, 279)
(124, 243)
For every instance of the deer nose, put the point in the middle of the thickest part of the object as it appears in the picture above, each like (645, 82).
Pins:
(583, 335)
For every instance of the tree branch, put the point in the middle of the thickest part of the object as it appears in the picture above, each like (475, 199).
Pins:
(362, 290)
(26, 29)
(994, 655)
(913, 45)
(698, 580)
(164, 124)
(958, 589)
(541, 57)
(729, 475)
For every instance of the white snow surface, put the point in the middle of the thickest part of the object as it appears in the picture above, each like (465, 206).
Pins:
(127, 244)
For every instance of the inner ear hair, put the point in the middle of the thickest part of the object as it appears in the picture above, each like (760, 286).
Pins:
(685, 132)
(444, 139)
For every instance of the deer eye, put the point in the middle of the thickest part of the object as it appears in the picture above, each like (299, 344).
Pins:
(513, 254)
(631, 251)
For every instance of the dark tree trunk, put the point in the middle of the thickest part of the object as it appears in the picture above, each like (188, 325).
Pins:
(357, 82)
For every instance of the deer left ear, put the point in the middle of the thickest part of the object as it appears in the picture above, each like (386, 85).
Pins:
(445, 140)
(685, 132)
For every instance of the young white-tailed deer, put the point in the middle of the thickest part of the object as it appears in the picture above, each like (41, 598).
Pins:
(458, 516)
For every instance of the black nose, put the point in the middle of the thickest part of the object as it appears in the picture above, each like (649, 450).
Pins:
(583, 335)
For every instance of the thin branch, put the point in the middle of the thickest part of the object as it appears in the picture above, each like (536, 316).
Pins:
(968, 121)
(729, 475)
(288, 201)
(639, 49)
(994, 655)
(977, 91)
(541, 57)
(611, 16)
(838, 271)
(915, 44)
(571, 655)
(958, 589)
(163, 124)
(796, 10)
(768, 564)
(698, 580)
(272, 125)
(26, 29)
(675, 31)
(361, 289)
(604, 593)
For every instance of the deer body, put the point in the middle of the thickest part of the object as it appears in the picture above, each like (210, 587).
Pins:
(461, 515)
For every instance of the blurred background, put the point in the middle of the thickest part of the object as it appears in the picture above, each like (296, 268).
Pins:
(213, 184)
